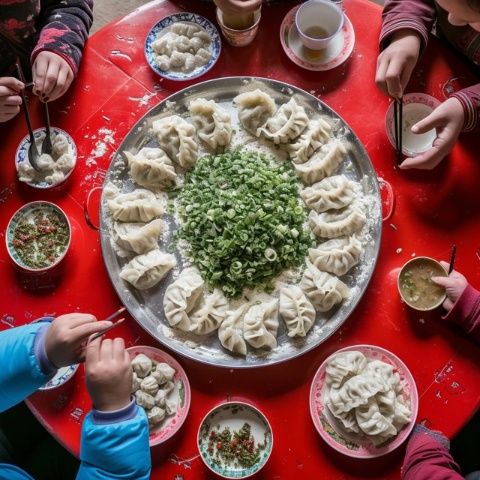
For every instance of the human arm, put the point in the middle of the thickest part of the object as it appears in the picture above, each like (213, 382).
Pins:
(462, 303)
(115, 434)
(428, 458)
(30, 355)
(10, 99)
(405, 28)
(64, 27)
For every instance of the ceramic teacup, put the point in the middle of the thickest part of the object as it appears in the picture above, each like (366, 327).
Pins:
(317, 22)
(241, 35)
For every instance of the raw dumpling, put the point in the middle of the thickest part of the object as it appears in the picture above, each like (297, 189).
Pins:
(145, 271)
(342, 366)
(336, 256)
(260, 325)
(160, 398)
(323, 163)
(338, 222)
(296, 310)
(145, 400)
(323, 290)
(254, 109)
(186, 29)
(141, 365)
(170, 406)
(151, 168)
(181, 297)
(386, 371)
(209, 314)
(288, 123)
(317, 134)
(213, 123)
(332, 193)
(348, 420)
(155, 415)
(135, 382)
(138, 206)
(230, 332)
(149, 385)
(354, 392)
(177, 138)
(168, 386)
(136, 237)
(163, 373)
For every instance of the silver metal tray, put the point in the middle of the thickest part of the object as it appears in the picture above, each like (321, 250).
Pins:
(146, 307)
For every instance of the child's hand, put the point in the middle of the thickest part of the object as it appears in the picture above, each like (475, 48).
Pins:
(52, 76)
(396, 63)
(66, 338)
(238, 7)
(455, 284)
(10, 99)
(448, 120)
(108, 374)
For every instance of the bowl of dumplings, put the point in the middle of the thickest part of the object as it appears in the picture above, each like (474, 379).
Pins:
(182, 46)
(160, 386)
(54, 168)
(363, 401)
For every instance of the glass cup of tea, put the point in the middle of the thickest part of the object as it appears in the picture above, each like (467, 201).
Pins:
(317, 22)
(239, 30)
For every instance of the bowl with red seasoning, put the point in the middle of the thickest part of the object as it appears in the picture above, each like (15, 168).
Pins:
(235, 440)
(38, 236)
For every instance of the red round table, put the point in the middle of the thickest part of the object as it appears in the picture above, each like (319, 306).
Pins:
(433, 210)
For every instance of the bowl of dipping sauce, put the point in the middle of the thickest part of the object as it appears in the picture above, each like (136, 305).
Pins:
(38, 236)
(54, 168)
(416, 286)
(416, 106)
(318, 22)
(235, 440)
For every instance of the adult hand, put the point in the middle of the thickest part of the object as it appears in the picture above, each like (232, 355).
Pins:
(108, 374)
(454, 284)
(238, 7)
(448, 120)
(396, 63)
(52, 76)
(66, 338)
(10, 99)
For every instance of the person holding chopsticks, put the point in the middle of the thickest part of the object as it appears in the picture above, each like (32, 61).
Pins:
(48, 37)
(405, 29)
(115, 433)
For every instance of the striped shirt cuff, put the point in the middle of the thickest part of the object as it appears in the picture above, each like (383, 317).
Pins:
(115, 416)
(389, 28)
(469, 110)
(46, 366)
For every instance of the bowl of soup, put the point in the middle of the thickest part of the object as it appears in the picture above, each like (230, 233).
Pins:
(416, 286)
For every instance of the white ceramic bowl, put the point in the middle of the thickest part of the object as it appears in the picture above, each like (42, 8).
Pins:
(315, 17)
(62, 376)
(416, 106)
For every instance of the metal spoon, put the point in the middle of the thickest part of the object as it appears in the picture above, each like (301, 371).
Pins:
(33, 154)
(47, 141)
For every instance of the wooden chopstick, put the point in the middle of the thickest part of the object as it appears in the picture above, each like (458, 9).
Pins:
(105, 330)
(400, 130)
(114, 314)
(453, 254)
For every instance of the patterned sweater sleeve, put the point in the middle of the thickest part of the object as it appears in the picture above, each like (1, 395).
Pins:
(63, 27)
(470, 100)
(417, 15)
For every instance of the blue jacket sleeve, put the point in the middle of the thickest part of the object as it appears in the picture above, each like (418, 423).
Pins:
(115, 449)
(21, 373)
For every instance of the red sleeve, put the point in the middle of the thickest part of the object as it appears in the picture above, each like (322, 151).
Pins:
(417, 15)
(470, 100)
(427, 457)
(466, 312)
(64, 27)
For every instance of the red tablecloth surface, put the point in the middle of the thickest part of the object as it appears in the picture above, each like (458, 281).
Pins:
(433, 210)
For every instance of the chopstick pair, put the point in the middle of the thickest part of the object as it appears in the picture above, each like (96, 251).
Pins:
(398, 123)
(109, 319)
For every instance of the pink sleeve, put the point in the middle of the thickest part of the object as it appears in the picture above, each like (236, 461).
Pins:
(470, 100)
(417, 15)
(427, 457)
(466, 312)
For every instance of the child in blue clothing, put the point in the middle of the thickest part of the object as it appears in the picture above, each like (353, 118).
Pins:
(115, 433)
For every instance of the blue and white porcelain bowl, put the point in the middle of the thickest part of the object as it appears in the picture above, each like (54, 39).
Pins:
(156, 31)
(62, 376)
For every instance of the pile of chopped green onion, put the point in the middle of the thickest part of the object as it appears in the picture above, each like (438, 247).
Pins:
(242, 220)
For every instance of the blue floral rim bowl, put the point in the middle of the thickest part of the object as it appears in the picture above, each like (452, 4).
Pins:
(62, 376)
(215, 47)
